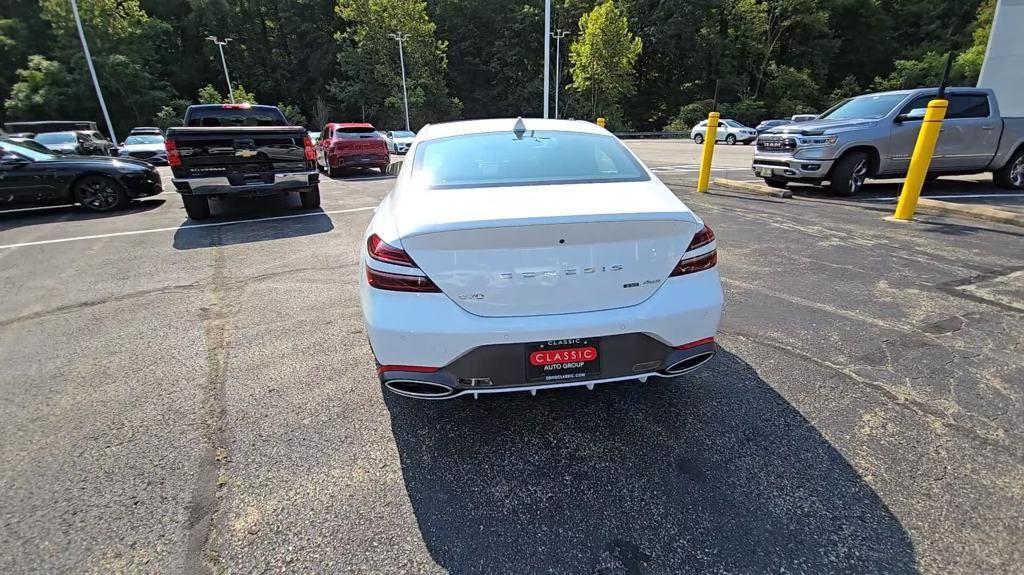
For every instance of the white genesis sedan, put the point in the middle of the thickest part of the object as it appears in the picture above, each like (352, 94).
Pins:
(518, 255)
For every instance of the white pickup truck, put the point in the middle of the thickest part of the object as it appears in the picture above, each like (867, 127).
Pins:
(873, 136)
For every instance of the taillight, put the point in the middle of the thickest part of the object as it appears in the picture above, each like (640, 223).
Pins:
(387, 253)
(399, 282)
(307, 143)
(236, 106)
(413, 368)
(703, 237)
(693, 264)
(173, 157)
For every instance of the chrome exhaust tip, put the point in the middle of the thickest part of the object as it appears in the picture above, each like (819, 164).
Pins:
(689, 364)
(419, 389)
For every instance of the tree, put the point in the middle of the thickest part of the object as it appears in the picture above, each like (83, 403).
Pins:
(292, 114)
(173, 114)
(370, 84)
(210, 95)
(968, 63)
(602, 57)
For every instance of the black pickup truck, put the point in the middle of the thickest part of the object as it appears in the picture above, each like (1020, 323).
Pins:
(240, 150)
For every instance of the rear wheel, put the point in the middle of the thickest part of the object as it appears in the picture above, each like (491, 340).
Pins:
(730, 139)
(311, 197)
(849, 174)
(1011, 175)
(698, 139)
(197, 207)
(100, 194)
(776, 183)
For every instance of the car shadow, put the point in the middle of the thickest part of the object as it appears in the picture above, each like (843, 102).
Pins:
(15, 218)
(713, 472)
(251, 220)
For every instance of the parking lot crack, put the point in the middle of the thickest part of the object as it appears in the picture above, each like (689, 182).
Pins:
(204, 529)
(79, 306)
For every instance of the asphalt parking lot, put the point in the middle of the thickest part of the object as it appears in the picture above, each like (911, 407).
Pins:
(200, 398)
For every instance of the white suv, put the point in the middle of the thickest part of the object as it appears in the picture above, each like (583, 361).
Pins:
(729, 131)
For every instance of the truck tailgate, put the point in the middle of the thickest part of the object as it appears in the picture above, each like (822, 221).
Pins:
(223, 151)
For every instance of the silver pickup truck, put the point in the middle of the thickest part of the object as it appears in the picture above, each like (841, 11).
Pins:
(873, 136)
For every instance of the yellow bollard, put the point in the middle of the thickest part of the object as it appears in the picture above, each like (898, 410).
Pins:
(708, 152)
(921, 159)
(600, 122)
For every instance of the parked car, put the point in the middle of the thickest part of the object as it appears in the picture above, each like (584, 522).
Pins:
(147, 147)
(29, 177)
(769, 124)
(240, 150)
(515, 255)
(351, 145)
(873, 136)
(43, 126)
(146, 130)
(399, 141)
(76, 143)
(803, 118)
(729, 131)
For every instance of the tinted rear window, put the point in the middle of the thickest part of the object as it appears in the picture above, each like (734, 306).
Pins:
(501, 159)
(353, 131)
(216, 116)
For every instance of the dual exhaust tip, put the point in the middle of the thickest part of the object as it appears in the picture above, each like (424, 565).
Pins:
(430, 390)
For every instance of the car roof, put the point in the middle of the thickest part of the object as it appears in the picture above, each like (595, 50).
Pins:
(464, 127)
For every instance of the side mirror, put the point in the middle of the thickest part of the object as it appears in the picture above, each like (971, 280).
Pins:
(915, 114)
(394, 168)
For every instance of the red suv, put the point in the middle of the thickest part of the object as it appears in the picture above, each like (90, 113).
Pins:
(344, 146)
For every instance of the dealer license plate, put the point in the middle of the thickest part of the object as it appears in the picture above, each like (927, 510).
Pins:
(563, 360)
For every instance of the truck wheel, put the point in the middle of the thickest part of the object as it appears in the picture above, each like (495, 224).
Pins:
(1011, 175)
(730, 139)
(849, 174)
(776, 183)
(311, 197)
(698, 139)
(100, 194)
(197, 207)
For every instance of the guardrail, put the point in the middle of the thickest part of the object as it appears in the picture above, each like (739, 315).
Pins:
(644, 135)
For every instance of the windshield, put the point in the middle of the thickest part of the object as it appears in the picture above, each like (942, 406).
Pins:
(864, 107)
(403, 134)
(733, 124)
(144, 140)
(501, 159)
(57, 138)
(24, 151)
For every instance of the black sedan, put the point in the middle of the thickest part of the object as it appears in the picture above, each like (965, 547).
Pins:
(32, 178)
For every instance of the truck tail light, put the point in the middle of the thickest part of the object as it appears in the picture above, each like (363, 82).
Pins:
(691, 264)
(307, 144)
(173, 157)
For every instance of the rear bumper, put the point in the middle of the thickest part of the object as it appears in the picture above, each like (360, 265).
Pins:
(430, 330)
(358, 160)
(222, 186)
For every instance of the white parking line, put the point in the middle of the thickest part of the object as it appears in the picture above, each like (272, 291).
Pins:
(175, 228)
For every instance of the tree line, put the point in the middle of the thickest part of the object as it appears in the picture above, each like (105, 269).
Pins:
(643, 64)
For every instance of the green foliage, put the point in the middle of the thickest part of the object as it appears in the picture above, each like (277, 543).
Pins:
(370, 83)
(792, 91)
(292, 114)
(209, 95)
(173, 114)
(968, 63)
(241, 96)
(603, 57)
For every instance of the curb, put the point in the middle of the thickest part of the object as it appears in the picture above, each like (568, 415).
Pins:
(986, 213)
(759, 189)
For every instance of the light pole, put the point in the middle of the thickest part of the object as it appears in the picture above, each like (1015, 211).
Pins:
(558, 35)
(547, 53)
(92, 71)
(401, 58)
(220, 46)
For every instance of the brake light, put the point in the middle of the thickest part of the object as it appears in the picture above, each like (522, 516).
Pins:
(399, 282)
(693, 344)
(307, 143)
(703, 237)
(173, 157)
(412, 368)
(695, 264)
(236, 106)
(387, 253)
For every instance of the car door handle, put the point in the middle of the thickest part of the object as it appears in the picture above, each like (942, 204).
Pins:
(988, 127)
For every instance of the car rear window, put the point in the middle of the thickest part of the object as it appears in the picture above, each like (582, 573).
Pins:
(216, 116)
(538, 158)
(355, 132)
(57, 138)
